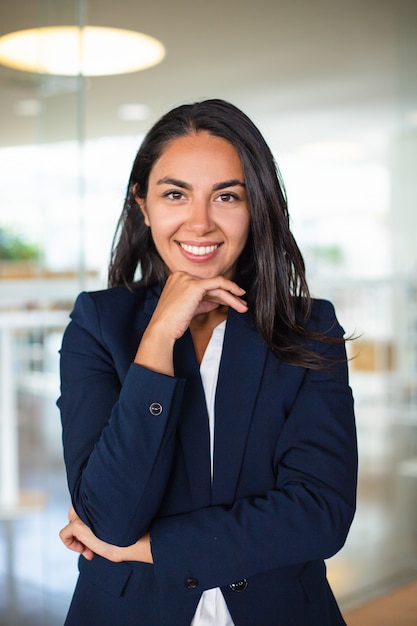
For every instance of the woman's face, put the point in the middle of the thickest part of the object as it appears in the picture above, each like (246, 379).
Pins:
(196, 206)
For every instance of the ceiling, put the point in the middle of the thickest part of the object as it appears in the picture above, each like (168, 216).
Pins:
(304, 70)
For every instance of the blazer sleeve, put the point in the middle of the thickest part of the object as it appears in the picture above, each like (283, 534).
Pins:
(305, 517)
(118, 436)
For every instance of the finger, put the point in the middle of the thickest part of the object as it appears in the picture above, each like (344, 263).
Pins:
(88, 554)
(70, 541)
(220, 282)
(185, 281)
(225, 292)
(221, 296)
(206, 306)
(73, 543)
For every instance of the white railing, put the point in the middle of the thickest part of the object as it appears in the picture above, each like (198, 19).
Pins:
(11, 323)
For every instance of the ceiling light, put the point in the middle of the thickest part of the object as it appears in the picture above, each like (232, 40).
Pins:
(28, 108)
(134, 112)
(70, 51)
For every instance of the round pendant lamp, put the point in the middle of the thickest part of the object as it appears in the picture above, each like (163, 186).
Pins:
(73, 51)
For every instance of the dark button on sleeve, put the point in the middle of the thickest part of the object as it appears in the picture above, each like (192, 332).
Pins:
(239, 586)
(191, 583)
(155, 408)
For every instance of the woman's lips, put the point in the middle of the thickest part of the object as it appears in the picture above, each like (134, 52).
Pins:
(199, 252)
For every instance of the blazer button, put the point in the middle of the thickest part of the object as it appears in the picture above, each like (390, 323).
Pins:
(191, 583)
(155, 408)
(239, 586)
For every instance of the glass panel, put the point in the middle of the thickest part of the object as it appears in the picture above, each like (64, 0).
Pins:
(41, 271)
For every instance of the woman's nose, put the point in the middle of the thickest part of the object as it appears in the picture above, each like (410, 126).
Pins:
(199, 217)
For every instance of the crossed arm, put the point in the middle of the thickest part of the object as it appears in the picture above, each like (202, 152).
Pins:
(183, 298)
(78, 537)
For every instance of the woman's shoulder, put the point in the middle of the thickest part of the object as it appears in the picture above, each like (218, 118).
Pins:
(321, 318)
(113, 302)
(121, 293)
(314, 309)
(322, 309)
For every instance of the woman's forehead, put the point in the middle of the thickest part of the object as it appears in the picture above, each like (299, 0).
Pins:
(196, 153)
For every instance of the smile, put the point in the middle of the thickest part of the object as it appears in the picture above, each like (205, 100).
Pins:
(199, 250)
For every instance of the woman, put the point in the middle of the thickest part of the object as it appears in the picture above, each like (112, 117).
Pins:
(208, 424)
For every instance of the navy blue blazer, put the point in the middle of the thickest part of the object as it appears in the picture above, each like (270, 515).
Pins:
(136, 448)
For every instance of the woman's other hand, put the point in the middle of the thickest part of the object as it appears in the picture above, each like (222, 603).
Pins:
(78, 537)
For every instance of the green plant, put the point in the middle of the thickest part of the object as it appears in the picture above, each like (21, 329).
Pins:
(15, 247)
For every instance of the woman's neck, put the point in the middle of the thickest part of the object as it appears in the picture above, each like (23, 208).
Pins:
(202, 327)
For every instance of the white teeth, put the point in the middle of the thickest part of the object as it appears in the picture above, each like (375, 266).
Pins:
(199, 250)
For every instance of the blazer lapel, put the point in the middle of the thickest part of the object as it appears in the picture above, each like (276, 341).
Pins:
(193, 426)
(240, 375)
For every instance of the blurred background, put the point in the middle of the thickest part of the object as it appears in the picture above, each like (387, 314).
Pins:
(333, 87)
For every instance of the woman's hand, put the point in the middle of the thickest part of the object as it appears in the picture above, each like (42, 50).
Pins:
(78, 537)
(183, 298)
(75, 535)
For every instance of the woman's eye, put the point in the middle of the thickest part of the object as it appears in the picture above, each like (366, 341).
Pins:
(174, 195)
(227, 197)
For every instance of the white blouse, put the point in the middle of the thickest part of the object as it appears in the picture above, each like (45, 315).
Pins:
(212, 609)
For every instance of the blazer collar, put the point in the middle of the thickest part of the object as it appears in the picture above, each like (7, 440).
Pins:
(240, 375)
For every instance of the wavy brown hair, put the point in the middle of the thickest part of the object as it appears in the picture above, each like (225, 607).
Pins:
(271, 268)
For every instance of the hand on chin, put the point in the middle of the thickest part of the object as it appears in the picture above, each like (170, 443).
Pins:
(206, 306)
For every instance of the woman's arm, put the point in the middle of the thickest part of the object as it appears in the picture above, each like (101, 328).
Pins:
(78, 537)
(118, 454)
(119, 437)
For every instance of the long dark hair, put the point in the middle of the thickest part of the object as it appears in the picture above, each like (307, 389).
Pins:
(271, 268)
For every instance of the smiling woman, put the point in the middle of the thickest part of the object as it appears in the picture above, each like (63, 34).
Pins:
(196, 206)
(208, 424)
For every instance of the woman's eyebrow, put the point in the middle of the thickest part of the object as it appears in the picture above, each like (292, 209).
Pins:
(234, 182)
(173, 181)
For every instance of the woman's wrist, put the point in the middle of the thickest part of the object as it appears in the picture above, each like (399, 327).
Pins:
(139, 551)
(156, 352)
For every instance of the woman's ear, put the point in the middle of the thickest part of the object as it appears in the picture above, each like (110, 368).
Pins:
(141, 204)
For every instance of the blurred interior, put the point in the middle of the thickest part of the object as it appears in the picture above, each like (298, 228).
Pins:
(333, 87)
